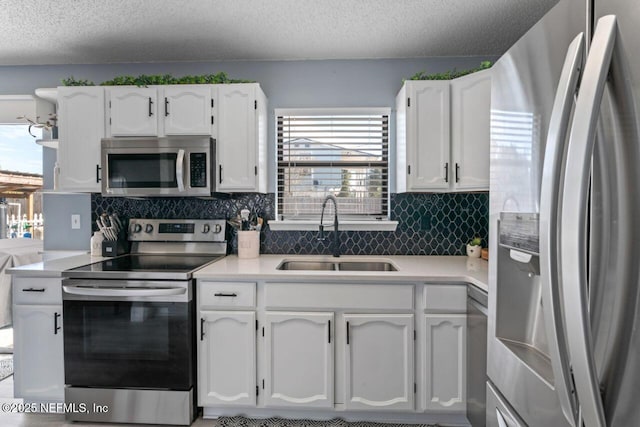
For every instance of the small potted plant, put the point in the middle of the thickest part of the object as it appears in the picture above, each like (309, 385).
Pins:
(474, 247)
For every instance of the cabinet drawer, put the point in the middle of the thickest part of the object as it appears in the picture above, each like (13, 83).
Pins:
(445, 298)
(37, 290)
(226, 294)
(339, 296)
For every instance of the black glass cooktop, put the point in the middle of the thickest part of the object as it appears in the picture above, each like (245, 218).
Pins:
(144, 266)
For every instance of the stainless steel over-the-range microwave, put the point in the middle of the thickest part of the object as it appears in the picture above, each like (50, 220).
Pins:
(151, 166)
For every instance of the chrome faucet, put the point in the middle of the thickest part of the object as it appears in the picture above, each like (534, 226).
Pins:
(336, 236)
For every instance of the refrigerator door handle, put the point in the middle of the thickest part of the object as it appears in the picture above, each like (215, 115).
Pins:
(549, 218)
(574, 222)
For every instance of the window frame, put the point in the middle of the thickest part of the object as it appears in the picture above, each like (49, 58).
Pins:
(347, 221)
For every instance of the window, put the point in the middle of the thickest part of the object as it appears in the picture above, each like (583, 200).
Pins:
(344, 152)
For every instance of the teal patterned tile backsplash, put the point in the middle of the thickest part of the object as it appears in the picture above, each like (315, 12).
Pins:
(429, 224)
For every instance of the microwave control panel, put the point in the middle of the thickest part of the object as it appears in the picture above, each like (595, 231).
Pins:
(198, 170)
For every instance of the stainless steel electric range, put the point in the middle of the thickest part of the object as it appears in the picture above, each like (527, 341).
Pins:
(129, 325)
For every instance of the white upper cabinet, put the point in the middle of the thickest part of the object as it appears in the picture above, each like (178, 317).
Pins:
(133, 111)
(423, 136)
(187, 110)
(241, 141)
(470, 121)
(442, 138)
(160, 110)
(81, 112)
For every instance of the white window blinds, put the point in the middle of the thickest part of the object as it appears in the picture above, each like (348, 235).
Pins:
(344, 153)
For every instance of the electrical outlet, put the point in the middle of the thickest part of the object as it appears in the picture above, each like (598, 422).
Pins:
(75, 221)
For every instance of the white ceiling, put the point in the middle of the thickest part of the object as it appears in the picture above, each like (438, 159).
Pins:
(113, 31)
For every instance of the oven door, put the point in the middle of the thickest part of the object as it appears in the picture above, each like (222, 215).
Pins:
(128, 334)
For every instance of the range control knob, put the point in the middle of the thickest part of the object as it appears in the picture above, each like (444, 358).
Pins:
(218, 228)
(148, 228)
(206, 228)
(137, 228)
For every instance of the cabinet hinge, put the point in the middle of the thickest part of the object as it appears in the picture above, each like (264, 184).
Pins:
(255, 105)
(212, 103)
(211, 119)
(408, 102)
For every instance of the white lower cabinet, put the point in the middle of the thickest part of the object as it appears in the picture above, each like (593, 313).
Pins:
(38, 358)
(352, 348)
(227, 358)
(298, 351)
(378, 354)
(445, 362)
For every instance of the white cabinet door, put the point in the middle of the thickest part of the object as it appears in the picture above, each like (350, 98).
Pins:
(38, 353)
(428, 133)
(187, 110)
(227, 358)
(133, 111)
(470, 117)
(445, 361)
(379, 370)
(80, 126)
(237, 138)
(299, 359)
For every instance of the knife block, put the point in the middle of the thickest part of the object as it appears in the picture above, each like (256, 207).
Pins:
(112, 248)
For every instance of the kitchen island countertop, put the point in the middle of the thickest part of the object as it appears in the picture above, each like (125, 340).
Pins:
(417, 268)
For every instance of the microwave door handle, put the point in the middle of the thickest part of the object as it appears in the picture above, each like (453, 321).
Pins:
(574, 221)
(180, 170)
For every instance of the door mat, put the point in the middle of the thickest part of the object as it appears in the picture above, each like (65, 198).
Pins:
(280, 422)
(6, 367)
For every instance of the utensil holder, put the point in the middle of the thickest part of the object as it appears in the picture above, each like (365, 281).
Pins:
(248, 244)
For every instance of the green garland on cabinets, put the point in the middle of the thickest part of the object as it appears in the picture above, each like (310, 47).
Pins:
(144, 80)
(451, 74)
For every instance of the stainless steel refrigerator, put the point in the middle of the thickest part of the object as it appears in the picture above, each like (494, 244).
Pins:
(564, 299)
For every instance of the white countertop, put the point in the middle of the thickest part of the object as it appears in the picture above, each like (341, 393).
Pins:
(54, 267)
(419, 268)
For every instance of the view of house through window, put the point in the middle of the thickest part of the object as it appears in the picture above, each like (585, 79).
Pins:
(342, 152)
(20, 182)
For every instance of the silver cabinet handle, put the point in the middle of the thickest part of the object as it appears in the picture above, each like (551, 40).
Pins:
(224, 294)
(549, 218)
(33, 290)
(180, 170)
(574, 221)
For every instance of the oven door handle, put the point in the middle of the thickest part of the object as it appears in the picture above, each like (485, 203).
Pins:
(123, 292)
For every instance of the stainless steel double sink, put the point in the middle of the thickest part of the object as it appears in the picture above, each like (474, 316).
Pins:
(346, 265)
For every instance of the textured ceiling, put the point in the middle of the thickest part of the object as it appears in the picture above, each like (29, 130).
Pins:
(112, 31)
